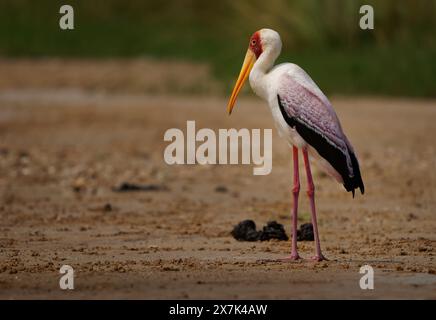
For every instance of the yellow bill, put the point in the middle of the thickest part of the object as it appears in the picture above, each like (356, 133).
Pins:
(249, 61)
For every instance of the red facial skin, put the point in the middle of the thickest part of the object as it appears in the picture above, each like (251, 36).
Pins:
(256, 45)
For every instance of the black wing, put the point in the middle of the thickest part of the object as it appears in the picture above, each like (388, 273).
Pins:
(337, 157)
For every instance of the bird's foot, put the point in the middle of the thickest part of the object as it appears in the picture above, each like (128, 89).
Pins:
(292, 257)
(319, 258)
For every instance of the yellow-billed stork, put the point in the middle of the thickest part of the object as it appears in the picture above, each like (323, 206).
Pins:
(304, 117)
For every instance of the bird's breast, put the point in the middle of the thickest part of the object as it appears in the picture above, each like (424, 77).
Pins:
(265, 85)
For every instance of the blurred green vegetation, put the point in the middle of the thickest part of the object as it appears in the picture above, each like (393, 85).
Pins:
(397, 58)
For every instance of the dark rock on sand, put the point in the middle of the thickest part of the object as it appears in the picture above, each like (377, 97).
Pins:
(273, 230)
(305, 233)
(221, 189)
(129, 187)
(246, 231)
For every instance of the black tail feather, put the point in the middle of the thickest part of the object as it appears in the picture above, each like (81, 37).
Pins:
(357, 181)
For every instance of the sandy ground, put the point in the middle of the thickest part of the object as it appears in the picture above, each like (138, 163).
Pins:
(62, 152)
(141, 75)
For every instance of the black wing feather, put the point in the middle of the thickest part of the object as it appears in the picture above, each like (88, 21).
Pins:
(333, 155)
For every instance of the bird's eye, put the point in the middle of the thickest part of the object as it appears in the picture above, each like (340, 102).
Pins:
(253, 42)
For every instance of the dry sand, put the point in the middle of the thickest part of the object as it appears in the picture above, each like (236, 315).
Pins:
(61, 153)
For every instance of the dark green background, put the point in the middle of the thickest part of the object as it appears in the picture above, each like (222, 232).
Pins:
(397, 58)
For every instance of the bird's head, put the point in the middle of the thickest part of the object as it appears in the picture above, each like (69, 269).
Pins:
(261, 42)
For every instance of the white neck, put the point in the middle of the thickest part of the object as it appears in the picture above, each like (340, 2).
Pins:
(260, 71)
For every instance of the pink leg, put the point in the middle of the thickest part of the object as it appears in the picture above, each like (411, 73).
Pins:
(295, 193)
(311, 195)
